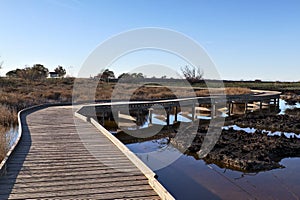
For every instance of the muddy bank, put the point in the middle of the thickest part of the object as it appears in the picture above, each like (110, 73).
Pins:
(293, 112)
(238, 150)
(291, 98)
(285, 123)
(242, 151)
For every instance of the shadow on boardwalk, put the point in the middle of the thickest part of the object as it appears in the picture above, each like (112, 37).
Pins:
(15, 163)
(52, 162)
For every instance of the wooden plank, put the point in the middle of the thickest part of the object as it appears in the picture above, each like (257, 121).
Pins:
(52, 161)
(75, 192)
(78, 181)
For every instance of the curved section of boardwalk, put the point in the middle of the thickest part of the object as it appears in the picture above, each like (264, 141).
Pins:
(52, 162)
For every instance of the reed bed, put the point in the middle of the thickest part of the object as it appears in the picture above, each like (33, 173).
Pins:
(3, 142)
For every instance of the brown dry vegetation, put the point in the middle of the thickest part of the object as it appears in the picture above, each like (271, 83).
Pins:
(3, 146)
(17, 94)
(151, 92)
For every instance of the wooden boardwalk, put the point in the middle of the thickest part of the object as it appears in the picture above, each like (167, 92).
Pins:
(51, 162)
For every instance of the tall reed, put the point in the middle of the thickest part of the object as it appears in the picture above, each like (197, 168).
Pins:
(3, 142)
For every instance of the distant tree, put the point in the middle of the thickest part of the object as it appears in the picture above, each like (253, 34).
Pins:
(13, 73)
(192, 73)
(131, 76)
(37, 72)
(27, 73)
(106, 75)
(60, 71)
(124, 75)
(138, 75)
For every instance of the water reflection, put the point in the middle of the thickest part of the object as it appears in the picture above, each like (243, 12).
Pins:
(283, 106)
(189, 178)
(269, 133)
(8, 136)
(12, 135)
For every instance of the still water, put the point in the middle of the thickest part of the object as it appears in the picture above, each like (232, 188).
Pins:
(188, 178)
(11, 135)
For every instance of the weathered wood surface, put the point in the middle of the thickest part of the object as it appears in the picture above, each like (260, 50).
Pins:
(52, 162)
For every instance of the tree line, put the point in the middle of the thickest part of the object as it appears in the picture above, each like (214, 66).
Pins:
(36, 72)
(39, 71)
(191, 73)
(107, 75)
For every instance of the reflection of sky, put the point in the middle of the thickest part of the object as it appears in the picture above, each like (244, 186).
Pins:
(156, 154)
(172, 119)
(179, 118)
(148, 146)
(12, 135)
(270, 133)
(283, 106)
(187, 178)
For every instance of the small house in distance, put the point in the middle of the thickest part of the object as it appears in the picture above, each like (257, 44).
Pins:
(53, 75)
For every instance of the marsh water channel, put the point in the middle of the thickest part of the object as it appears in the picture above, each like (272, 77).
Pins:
(187, 177)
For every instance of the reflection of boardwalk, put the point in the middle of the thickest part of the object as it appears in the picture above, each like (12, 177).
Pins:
(52, 162)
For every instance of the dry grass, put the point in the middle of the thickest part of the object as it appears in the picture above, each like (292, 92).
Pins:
(149, 93)
(3, 142)
(237, 91)
(135, 92)
(8, 116)
(226, 91)
(17, 94)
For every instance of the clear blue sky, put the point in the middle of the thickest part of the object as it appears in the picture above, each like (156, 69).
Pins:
(247, 39)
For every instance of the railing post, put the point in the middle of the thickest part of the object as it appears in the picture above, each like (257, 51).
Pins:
(193, 112)
(260, 106)
(213, 109)
(176, 112)
(168, 116)
(278, 104)
(150, 115)
(229, 109)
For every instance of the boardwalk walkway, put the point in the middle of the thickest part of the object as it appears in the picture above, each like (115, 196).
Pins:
(51, 162)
